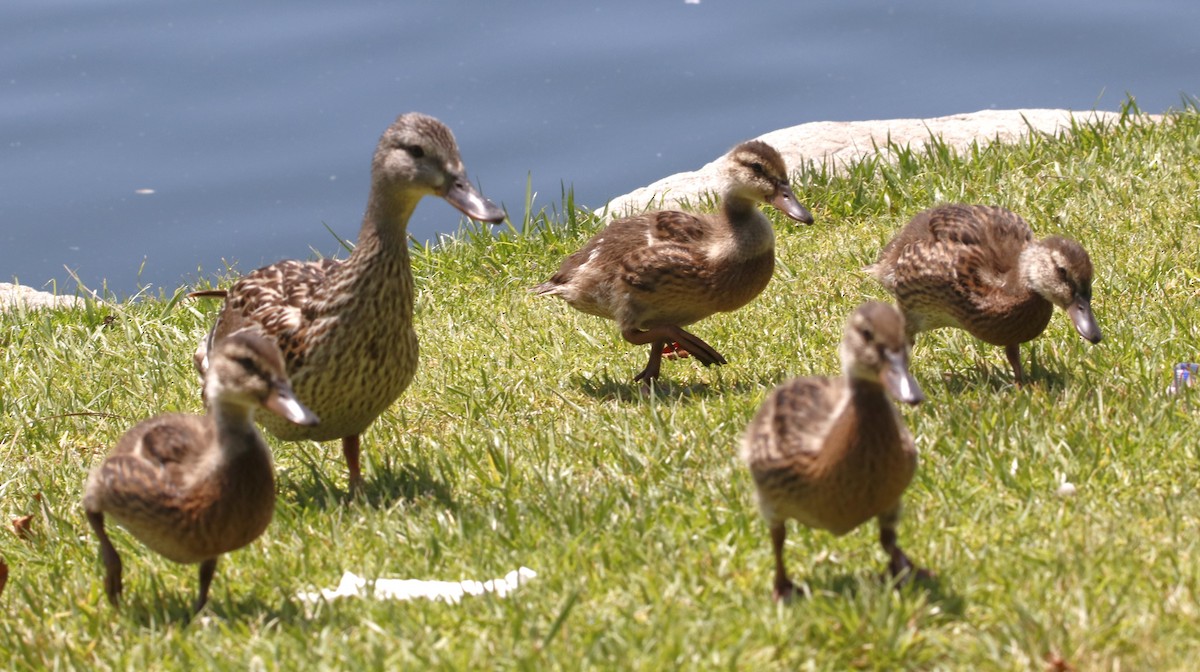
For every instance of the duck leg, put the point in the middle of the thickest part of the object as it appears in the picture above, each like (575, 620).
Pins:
(207, 569)
(899, 566)
(784, 588)
(350, 448)
(660, 336)
(1013, 352)
(654, 365)
(112, 561)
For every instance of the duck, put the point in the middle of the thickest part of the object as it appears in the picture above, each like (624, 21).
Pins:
(345, 327)
(833, 452)
(979, 268)
(657, 272)
(192, 488)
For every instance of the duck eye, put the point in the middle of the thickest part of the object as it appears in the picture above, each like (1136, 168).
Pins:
(867, 335)
(246, 363)
(1062, 274)
(415, 151)
(757, 167)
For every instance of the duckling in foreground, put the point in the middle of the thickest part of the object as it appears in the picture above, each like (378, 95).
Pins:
(193, 487)
(656, 272)
(346, 326)
(978, 268)
(834, 452)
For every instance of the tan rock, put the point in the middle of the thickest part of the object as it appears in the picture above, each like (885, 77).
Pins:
(838, 143)
(12, 296)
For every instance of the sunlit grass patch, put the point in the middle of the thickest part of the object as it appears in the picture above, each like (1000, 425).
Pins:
(523, 442)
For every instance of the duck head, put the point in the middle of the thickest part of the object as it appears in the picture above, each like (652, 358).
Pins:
(755, 171)
(417, 153)
(1060, 270)
(875, 349)
(247, 371)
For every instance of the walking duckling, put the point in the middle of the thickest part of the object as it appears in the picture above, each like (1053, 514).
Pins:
(978, 268)
(345, 327)
(657, 272)
(193, 487)
(832, 453)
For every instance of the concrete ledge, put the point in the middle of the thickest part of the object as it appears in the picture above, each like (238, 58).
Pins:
(12, 296)
(838, 143)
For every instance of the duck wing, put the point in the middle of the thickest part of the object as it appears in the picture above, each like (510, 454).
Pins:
(671, 249)
(970, 249)
(152, 460)
(278, 301)
(792, 425)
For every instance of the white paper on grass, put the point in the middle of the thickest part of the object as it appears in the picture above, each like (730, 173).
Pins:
(353, 585)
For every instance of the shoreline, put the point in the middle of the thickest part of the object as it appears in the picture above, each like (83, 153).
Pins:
(839, 143)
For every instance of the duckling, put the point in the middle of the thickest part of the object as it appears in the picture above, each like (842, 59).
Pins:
(346, 326)
(656, 272)
(978, 268)
(834, 452)
(193, 487)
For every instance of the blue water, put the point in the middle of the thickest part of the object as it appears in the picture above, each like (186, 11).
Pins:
(253, 123)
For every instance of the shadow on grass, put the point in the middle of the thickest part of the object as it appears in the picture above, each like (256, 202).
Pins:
(604, 387)
(175, 609)
(997, 379)
(932, 587)
(153, 610)
(387, 481)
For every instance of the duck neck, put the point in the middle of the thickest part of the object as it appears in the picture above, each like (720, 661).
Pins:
(1025, 311)
(385, 224)
(241, 466)
(748, 225)
(865, 425)
(235, 424)
(379, 266)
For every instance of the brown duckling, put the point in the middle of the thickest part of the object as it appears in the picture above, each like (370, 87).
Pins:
(656, 272)
(832, 453)
(193, 487)
(978, 268)
(346, 326)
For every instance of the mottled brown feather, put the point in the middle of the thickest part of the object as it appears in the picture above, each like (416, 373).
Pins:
(189, 487)
(673, 268)
(832, 453)
(979, 268)
(346, 326)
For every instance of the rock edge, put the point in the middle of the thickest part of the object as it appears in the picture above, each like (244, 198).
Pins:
(839, 143)
(14, 296)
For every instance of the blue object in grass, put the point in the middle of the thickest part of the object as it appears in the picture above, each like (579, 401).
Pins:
(1185, 376)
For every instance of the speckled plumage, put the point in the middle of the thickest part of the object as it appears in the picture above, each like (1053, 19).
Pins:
(194, 487)
(657, 272)
(979, 268)
(346, 327)
(832, 453)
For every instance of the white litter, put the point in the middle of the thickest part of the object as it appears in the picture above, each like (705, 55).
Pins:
(353, 585)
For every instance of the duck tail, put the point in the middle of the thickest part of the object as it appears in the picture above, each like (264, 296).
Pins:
(208, 294)
(548, 287)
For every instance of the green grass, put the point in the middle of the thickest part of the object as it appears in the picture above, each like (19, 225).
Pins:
(523, 442)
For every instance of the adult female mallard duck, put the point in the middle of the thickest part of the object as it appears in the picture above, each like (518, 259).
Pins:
(978, 268)
(193, 487)
(346, 326)
(832, 453)
(657, 272)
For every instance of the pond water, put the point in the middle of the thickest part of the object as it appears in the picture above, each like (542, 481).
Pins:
(147, 144)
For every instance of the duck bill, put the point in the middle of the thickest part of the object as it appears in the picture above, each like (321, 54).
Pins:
(283, 402)
(1085, 321)
(786, 202)
(899, 382)
(471, 203)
